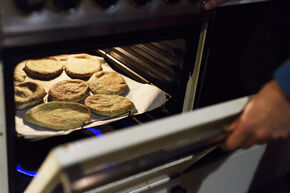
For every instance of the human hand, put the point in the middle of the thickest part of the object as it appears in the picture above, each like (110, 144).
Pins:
(211, 4)
(265, 117)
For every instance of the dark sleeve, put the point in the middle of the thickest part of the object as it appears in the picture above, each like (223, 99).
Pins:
(282, 76)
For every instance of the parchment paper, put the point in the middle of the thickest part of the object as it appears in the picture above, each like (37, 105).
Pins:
(144, 96)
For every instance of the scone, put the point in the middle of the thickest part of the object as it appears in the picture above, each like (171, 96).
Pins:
(58, 115)
(107, 83)
(109, 105)
(27, 94)
(82, 66)
(73, 90)
(19, 74)
(46, 68)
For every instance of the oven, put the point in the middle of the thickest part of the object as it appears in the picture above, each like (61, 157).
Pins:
(161, 44)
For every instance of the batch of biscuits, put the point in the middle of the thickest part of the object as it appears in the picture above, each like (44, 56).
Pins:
(100, 90)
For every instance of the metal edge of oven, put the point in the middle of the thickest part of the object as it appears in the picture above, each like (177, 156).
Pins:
(3, 139)
(193, 79)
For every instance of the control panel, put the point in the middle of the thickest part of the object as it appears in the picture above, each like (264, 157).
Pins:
(107, 16)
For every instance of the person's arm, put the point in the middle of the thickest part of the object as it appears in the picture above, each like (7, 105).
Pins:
(282, 76)
(266, 116)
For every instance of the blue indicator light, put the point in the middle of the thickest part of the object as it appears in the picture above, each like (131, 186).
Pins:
(25, 172)
(97, 132)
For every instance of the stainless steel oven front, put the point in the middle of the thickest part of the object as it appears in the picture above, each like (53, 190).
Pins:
(151, 42)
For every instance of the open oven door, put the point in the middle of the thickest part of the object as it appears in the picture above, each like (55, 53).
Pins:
(122, 159)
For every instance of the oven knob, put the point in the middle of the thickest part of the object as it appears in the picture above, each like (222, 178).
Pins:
(29, 5)
(65, 4)
(105, 3)
(139, 2)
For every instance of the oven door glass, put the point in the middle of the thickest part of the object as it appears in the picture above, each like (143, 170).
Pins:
(121, 159)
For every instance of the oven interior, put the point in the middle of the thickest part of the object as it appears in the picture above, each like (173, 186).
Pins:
(165, 64)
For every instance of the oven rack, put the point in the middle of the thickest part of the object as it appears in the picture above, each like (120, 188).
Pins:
(158, 63)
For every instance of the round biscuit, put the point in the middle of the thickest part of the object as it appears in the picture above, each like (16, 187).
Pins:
(109, 105)
(73, 90)
(19, 74)
(82, 66)
(107, 83)
(58, 115)
(45, 68)
(27, 94)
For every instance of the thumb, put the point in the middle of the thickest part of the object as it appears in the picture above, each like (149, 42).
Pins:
(232, 126)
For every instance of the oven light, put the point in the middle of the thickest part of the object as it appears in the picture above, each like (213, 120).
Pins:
(25, 172)
(97, 132)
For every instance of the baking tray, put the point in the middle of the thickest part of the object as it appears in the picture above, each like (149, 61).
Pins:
(146, 97)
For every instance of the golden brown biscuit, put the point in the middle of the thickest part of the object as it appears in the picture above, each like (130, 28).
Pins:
(82, 66)
(58, 115)
(19, 74)
(109, 105)
(27, 94)
(74, 90)
(107, 83)
(45, 68)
